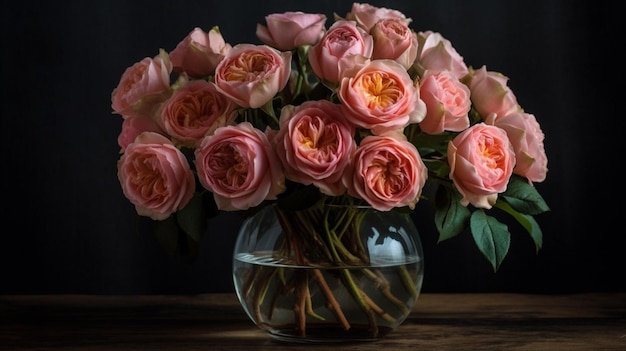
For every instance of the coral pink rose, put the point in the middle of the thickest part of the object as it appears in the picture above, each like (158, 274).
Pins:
(491, 94)
(481, 162)
(436, 54)
(289, 30)
(252, 74)
(394, 40)
(142, 86)
(526, 136)
(238, 165)
(379, 95)
(342, 42)
(386, 171)
(366, 15)
(155, 176)
(199, 52)
(196, 110)
(447, 103)
(315, 144)
(135, 125)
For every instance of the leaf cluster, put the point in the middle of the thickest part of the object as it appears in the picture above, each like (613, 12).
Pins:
(521, 201)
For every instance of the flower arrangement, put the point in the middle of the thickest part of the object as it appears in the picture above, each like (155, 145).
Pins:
(363, 111)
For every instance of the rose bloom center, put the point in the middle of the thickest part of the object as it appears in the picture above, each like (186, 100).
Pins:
(228, 167)
(248, 67)
(380, 89)
(491, 153)
(316, 139)
(148, 178)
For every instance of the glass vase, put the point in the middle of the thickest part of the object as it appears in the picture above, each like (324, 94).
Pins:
(328, 273)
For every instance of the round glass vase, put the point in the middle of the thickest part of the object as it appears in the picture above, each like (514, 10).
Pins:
(328, 273)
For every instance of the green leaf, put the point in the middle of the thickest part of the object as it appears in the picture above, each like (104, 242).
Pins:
(474, 116)
(268, 108)
(438, 167)
(192, 218)
(492, 237)
(450, 216)
(524, 197)
(527, 221)
(535, 232)
(433, 143)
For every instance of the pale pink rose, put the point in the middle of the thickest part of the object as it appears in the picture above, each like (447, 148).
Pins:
(526, 136)
(289, 30)
(342, 41)
(380, 95)
(238, 165)
(447, 103)
(135, 125)
(387, 172)
(195, 110)
(315, 144)
(142, 86)
(366, 15)
(436, 54)
(155, 176)
(491, 94)
(394, 40)
(199, 52)
(252, 74)
(481, 162)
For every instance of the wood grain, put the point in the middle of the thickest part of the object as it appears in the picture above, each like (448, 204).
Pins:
(592, 321)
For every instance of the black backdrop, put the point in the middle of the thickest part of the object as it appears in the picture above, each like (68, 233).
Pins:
(66, 227)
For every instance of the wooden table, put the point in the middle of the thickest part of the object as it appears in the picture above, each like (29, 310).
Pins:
(589, 322)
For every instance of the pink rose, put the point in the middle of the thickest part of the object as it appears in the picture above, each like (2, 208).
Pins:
(366, 15)
(135, 125)
(394, 40)
(199, 52)
(386, 171)
(342, 42)
(142, 86)
(315, 144)
(436, 54)
(289, 30)
(238, 165)
(481, 162)
(155, 176)
(490, 93)
(252, 74)
(527, 138)
(447, 103)
(380, 95)
(196, 110)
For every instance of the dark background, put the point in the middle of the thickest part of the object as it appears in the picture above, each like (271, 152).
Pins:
(67, 228)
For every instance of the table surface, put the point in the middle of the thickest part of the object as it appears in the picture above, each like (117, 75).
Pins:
(493, 321)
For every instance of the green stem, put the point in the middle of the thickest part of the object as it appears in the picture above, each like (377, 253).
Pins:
(309, 305)
(360, 298)
(261, 291)
(381, 312)
(322, 236)
(358, 295)
(340, 248)
(331, 239)
(333, 305)
(408, 281)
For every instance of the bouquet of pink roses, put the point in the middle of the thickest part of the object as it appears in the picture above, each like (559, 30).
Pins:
(365, 110)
